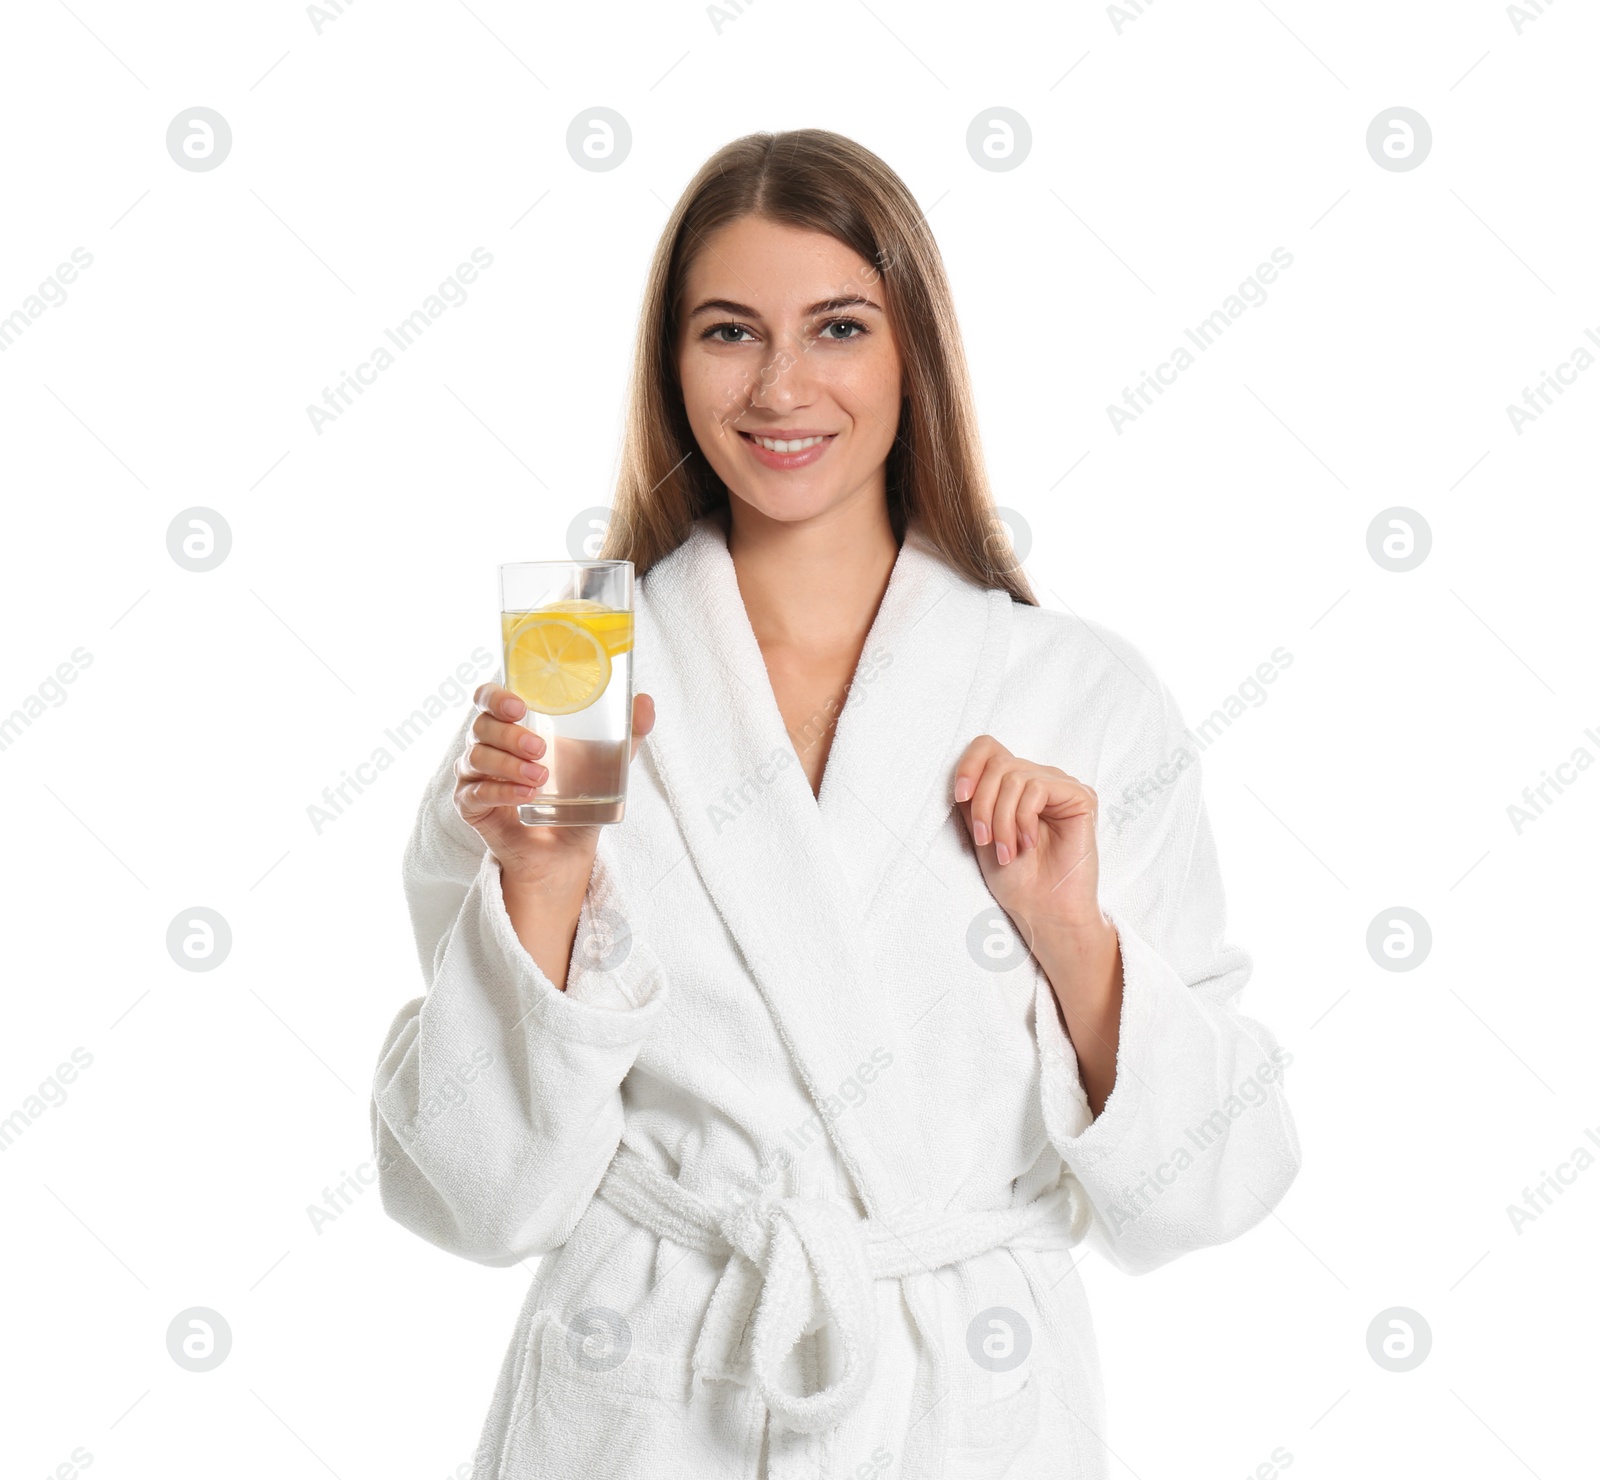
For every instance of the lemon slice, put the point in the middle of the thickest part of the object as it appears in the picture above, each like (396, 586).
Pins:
(613, 628)
(556, 667)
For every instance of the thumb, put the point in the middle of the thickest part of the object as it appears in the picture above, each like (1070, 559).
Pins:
(644, 720)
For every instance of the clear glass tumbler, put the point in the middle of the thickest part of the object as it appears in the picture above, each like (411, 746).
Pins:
(566, 630)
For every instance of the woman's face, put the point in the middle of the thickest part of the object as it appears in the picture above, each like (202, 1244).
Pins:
(785, 335)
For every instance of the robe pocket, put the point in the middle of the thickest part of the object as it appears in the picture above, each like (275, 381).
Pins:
(648, 1414)
(989, 1434)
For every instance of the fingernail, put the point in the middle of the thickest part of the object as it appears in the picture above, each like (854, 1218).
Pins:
(980, 831)
(1002, 852)
(1027, 841)
(530, 745)
(963, 788)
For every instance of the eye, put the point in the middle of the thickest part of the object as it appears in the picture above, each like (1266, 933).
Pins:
(845, 324)
(718, 328)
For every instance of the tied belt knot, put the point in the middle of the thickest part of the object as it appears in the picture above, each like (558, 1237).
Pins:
(796, 1264)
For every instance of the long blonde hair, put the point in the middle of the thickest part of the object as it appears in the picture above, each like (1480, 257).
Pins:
(820, 181)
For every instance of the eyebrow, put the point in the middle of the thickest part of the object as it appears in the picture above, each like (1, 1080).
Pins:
(828, 305)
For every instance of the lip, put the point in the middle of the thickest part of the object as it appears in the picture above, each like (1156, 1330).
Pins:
(785, 461)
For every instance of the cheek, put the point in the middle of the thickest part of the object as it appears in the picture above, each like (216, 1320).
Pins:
(711, 390)
(871, 388)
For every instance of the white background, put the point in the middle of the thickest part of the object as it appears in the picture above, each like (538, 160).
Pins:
(1168, 159)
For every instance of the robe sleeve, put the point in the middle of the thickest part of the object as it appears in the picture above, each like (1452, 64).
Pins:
(1195, 1143)
(496, 1102)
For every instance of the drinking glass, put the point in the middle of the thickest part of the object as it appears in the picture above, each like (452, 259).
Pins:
(566, 629)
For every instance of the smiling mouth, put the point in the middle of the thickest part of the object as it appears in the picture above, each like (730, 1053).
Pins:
(787, 447)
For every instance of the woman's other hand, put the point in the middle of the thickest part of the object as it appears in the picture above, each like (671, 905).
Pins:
(1034, 829)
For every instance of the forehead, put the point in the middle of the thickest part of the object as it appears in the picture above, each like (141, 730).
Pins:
(775, 267)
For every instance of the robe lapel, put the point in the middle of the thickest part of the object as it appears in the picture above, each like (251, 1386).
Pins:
(796, 879)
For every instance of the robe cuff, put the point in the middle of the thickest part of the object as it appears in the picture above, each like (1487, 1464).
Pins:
(1149, 986)
(615, 986)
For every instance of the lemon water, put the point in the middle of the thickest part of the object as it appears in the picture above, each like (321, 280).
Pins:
(571, 662)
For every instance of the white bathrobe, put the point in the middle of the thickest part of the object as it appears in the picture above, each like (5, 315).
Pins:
(803, 1141)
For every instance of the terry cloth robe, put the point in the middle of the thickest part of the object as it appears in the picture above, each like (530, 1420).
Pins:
(803, 1143)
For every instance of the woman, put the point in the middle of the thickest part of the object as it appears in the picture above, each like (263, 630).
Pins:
(809, 1075)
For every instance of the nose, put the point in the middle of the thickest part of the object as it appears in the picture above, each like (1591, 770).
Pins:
(788, 379)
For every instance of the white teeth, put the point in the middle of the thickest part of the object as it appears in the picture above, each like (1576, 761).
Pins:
(799, 446)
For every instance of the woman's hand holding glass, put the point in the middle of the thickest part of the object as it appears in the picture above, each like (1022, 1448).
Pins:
(502, 768)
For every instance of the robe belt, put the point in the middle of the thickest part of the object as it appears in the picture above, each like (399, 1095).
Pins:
(788, 1255)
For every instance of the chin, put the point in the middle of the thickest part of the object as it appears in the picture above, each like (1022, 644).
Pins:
(797, 507)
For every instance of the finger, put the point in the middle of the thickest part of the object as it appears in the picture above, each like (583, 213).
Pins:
(644, 720)
(517, 739)
(492, 698)
(1034, 795)
(1003, 822)
(489, 761)
(482, 796)
(987, 788)
(973, 758)
(1071, 798)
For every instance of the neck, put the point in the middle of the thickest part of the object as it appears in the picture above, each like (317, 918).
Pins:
(812, 585)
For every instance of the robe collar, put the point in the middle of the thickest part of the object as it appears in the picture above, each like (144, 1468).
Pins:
(799, 880)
